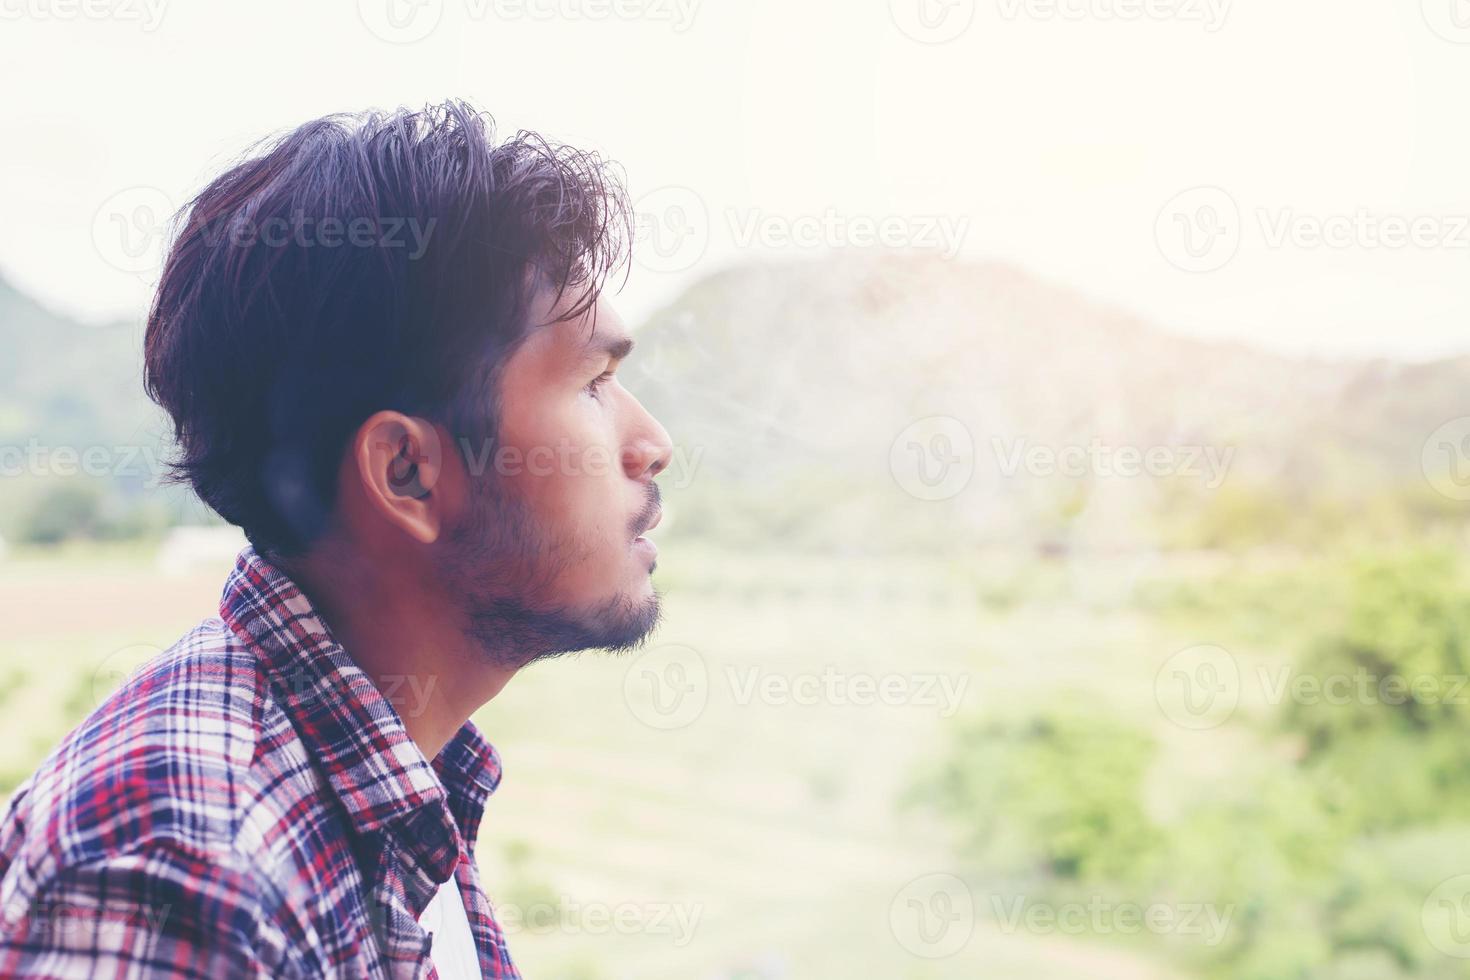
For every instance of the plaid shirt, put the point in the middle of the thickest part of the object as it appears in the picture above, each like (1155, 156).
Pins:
(247, 804)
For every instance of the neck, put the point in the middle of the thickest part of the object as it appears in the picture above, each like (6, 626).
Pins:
(406, 640)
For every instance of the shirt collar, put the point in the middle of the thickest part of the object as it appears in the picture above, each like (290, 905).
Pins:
(348, 726)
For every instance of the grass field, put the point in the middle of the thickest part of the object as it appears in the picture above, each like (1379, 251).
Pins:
(755, 831)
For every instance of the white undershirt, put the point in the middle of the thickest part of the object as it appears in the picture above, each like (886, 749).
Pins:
(453, 946)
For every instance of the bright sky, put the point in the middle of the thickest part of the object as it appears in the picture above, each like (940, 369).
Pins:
(1057, 134)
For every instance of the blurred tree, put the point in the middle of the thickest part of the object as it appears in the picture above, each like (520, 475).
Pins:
(72, 509)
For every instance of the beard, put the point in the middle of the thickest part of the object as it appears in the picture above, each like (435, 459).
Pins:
(502, 566)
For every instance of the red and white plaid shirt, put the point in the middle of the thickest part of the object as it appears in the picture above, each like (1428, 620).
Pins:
(247, 804)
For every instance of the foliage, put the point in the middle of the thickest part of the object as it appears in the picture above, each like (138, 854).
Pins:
(1399, 660)
(1061, 791)
(70, 510)
(1324, 855)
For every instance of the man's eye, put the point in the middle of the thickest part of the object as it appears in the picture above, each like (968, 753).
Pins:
(598, 382)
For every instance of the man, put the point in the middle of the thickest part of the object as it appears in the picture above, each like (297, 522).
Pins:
(383, 345)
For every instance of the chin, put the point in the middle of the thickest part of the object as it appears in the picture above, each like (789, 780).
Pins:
(629, 619)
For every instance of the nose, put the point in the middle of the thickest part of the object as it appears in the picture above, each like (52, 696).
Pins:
(649, 449)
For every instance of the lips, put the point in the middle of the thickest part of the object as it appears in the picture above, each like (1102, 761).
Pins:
(652, 521)
(658, 515)
(645, 547)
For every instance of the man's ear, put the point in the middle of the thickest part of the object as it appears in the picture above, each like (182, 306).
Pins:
(398, 461)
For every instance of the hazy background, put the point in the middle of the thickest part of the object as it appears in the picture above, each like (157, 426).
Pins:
(1065, 551)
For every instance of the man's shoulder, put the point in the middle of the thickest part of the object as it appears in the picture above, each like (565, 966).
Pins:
(164, 762)
(187, 791)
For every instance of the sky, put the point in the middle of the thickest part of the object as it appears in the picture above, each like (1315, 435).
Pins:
(1294, 174)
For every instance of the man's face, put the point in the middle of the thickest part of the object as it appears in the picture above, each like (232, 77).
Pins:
(549, 557)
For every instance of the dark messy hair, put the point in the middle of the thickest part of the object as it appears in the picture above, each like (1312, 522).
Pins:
(355, 264)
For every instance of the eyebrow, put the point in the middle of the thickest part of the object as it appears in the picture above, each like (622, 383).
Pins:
(615, 348)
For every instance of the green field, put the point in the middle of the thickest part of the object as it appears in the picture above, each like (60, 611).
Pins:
(778, 831)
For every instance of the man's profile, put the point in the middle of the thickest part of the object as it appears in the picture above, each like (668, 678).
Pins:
(385, 349)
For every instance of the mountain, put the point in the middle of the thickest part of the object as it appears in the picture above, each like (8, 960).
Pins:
(78, 437)
(795, 392)
(67, 383)
(794, 380)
